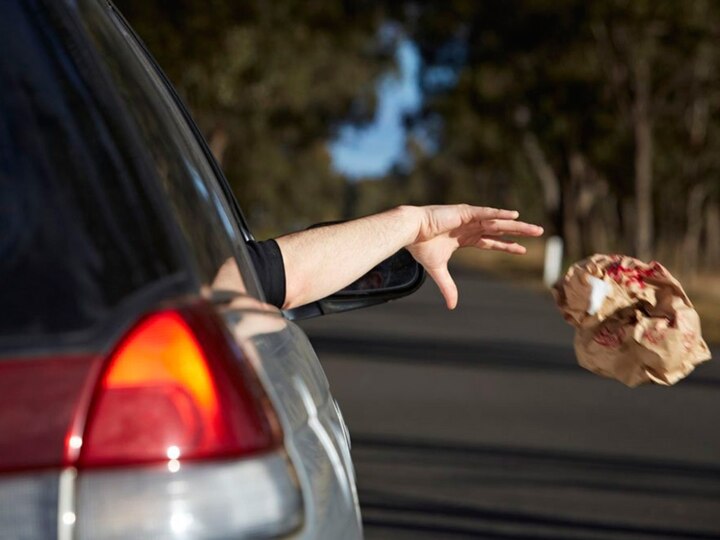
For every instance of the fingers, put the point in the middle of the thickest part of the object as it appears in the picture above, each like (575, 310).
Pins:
(497, 221)
(499, 245)
(498, 227)
(481, 213)
(481, 236)
(462, 218)
(441, 276)
(483, 241)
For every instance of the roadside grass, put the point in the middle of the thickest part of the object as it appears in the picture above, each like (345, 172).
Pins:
(527, 270)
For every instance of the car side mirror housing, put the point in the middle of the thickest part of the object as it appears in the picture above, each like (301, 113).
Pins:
(395, 277)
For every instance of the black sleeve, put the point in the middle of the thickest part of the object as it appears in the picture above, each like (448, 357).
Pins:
(268, 261)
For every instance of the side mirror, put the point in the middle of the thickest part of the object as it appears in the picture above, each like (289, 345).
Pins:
(395, 277)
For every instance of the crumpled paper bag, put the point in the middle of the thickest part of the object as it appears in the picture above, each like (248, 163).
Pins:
(633, 321)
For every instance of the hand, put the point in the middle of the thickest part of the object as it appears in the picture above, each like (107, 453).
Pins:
(443, 229)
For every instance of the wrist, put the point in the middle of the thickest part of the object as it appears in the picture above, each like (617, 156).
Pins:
(411, 221)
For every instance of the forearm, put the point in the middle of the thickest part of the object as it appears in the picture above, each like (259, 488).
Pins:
(321, 261)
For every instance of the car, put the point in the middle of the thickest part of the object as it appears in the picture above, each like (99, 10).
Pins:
(143, 393)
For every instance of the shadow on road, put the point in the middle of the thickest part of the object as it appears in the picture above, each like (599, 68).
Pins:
(435, 489)
(472, 354)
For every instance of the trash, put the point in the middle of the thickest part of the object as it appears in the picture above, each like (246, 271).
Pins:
(633, 320)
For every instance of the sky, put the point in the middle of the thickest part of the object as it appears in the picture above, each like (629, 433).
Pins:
(372, 150)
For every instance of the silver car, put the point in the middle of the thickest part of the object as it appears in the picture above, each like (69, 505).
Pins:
(146, 389)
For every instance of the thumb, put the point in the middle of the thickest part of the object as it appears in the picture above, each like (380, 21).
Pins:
(441, 276)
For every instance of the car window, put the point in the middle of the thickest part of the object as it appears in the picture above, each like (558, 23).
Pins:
(199, 205)
(80, 228)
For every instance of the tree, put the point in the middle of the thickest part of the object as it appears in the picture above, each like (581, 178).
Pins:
(268, 83)
(596, 102)
(521, 103)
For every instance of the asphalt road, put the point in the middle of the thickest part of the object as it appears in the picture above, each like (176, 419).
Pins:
(478, 423)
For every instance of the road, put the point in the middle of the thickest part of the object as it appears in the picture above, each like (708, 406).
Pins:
(478, 423)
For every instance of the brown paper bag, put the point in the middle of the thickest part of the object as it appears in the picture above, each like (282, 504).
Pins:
(633, 321)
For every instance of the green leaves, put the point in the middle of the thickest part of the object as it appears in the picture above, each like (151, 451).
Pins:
(273, 79)
(578, 97)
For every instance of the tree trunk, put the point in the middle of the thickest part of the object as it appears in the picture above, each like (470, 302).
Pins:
(712, 235)
(587, 189)
(629, 223)
(571, 223)
(605, 227)
(549, 181)
(643, 161)
(693, 232)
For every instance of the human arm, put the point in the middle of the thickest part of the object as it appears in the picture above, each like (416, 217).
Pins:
(323, 260)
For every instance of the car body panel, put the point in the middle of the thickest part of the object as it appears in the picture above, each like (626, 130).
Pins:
(245, 498)
(315, 435)
(29, 505)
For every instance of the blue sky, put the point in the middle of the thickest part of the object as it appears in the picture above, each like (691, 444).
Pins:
(371, 150)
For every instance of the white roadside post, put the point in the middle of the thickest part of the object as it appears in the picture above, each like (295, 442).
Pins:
(553, 260)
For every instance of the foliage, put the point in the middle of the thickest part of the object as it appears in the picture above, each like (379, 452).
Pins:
(596, 117)
(601, 110)
(269, 82)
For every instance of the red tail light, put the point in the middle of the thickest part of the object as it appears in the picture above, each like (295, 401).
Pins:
(175, 387)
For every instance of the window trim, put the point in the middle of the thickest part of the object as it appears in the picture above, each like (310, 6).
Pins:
(219, 175)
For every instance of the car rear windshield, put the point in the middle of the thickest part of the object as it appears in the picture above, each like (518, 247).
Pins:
(80, 231)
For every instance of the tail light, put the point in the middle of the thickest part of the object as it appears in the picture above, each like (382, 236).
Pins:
(177, 390)
(155, 425)
(174, 386)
